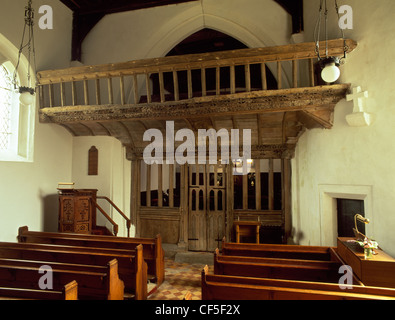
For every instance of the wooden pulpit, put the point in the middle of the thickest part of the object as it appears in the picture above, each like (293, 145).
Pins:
(77, 213)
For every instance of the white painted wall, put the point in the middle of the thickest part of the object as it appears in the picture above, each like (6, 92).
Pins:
(151, 33)
(28, 190)
(345, 160)
(113, 179)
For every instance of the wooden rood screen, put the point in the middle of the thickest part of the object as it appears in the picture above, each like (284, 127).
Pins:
(125, 83)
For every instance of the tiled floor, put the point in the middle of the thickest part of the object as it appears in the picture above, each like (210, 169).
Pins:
(179, 279)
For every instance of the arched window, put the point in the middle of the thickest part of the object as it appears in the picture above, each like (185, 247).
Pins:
(16, 120)
(8, 110)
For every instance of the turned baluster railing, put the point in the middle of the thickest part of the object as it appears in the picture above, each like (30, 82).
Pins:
(125, 82)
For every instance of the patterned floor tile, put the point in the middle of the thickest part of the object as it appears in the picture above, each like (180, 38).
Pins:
(179, 279)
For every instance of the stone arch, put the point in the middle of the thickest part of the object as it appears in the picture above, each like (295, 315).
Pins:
(170, 34)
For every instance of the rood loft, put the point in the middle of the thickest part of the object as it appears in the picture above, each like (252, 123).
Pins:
(208, 81)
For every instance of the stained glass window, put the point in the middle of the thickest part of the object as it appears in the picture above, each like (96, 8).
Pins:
(6, 103)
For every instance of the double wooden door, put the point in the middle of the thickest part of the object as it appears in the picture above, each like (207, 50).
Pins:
(207, 207)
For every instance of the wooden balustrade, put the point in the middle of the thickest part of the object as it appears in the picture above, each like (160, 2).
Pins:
(126, 83)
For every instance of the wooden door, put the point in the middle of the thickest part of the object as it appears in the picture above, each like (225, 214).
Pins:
(207, 202)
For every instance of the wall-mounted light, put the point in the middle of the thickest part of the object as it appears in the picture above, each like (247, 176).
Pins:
(329, 66)
(27, 93)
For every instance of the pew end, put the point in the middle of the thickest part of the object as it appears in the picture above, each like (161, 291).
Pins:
(115, 284)
(21, 232)
(188, 296)
(70, 291)
(141, 291)
(160, 260)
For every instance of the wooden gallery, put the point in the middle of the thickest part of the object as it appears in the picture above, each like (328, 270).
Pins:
(255, 132)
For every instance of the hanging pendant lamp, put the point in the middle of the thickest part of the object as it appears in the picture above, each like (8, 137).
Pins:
(27, 93)
(329, 66)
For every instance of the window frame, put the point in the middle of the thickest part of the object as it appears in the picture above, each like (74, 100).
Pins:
(21, 147)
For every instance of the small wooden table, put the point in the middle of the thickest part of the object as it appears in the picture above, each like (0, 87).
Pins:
(247, 229)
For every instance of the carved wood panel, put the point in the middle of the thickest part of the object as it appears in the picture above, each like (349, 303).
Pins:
(66, 223)
(83, 215)
(76, 212)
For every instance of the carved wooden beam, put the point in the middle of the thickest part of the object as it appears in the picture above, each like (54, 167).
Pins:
(285, 100)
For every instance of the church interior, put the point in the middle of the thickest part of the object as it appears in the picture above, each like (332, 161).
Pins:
(297, 91)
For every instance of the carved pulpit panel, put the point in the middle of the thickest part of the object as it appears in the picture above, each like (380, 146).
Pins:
(77, 213)
(67, 221)
(83, 213)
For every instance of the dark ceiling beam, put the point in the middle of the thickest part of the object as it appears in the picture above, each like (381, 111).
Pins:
(89, 7)
(82, 25)
(127, 5)
(295, 9)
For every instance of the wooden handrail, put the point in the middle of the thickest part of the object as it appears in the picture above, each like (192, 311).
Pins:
(115, 226)
(195, 61)
(128, 221)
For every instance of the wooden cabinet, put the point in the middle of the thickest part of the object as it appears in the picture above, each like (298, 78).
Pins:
(378, 271)
(77, 213)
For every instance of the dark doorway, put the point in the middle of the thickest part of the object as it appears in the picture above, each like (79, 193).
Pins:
(346, 210)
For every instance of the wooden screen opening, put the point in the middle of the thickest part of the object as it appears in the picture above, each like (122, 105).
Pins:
(261, 189)
(160, 185)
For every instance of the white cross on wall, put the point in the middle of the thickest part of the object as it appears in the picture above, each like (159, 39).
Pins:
(357, 97)
(359, 118)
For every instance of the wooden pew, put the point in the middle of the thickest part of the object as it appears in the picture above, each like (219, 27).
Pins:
(91, 285)
(220, 287)
(245, 259)
(132, 268)
(277, 251)
(319, 272)
(153, 251)
(69, 292)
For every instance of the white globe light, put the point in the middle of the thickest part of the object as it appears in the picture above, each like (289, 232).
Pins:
(330, 73)
(26, 98)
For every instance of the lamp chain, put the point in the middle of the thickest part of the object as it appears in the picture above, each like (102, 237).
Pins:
(28, 28)
(342, 31)
(317, 29)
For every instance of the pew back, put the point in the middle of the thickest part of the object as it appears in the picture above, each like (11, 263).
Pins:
(91, 285)
(278, 271)
(276, 251)
(132, 268)
(220, 287)
(69, 292)
(152, 247)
